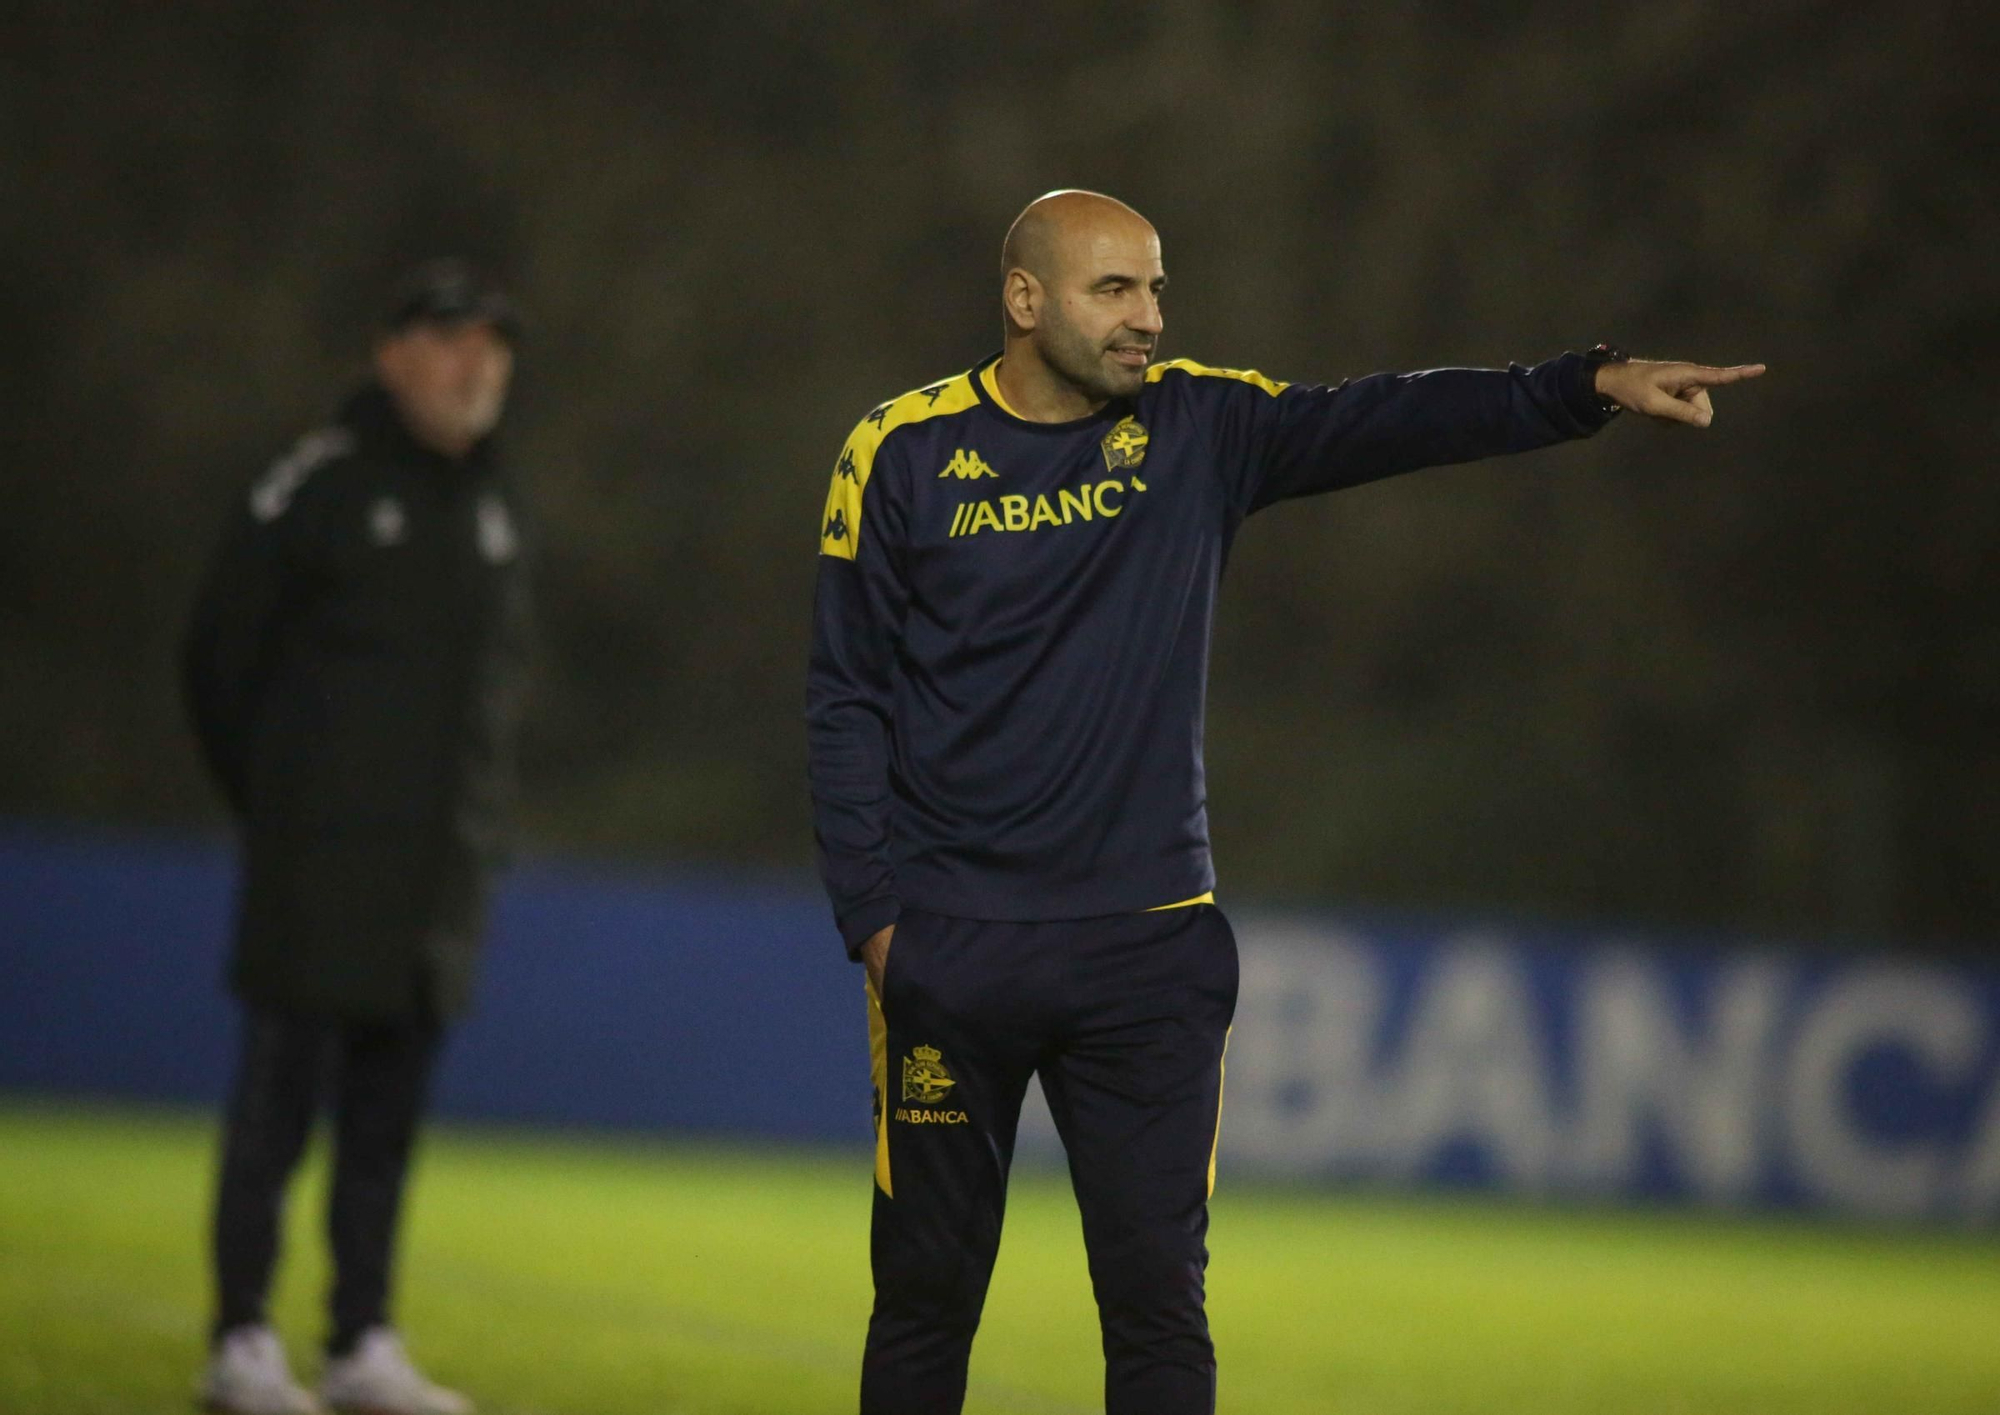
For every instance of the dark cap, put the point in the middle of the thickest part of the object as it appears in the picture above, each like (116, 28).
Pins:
(451, 292)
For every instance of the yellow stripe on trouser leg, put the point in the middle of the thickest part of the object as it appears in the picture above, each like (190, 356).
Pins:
(878, 1068)
(1221, 1077)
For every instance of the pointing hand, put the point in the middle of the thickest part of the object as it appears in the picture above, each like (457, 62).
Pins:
(1673, 392)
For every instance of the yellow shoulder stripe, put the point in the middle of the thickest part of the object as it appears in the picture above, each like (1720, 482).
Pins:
(840, 529)
(1156, 372)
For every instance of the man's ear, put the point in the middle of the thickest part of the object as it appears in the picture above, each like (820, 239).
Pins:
(1021, 298)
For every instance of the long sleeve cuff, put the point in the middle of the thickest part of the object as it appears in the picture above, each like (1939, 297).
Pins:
(867, 920)
(1579, 391)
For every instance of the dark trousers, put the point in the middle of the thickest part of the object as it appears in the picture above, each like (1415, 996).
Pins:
(376, 1078)
(1125, 1019)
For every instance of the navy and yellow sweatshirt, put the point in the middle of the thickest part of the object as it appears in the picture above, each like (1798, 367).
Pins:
(1011, 623)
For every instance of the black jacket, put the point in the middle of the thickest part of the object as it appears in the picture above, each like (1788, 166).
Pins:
(355, 668)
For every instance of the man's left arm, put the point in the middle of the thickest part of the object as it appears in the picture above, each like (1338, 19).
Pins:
(1319, 439)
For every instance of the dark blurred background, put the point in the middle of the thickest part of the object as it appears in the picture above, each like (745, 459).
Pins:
(1745, 679)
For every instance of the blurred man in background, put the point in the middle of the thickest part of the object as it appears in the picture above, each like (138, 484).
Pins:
(1017, 578)
(355, 668)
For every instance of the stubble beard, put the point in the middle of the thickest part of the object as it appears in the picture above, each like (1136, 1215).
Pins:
(1081, 363)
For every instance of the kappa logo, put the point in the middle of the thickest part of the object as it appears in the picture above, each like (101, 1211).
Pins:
(836, 527)
(1125, 445)
(925, 1078)
(966, 466)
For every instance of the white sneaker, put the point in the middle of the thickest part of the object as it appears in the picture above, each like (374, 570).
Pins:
(376, 1378)
(248, 1375)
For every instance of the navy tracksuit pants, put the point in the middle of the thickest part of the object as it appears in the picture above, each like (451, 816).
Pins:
(1125, 1018)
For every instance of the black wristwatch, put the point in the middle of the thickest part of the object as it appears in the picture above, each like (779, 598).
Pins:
(1595, 358)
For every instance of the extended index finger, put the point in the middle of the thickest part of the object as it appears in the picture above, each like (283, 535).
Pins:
(1709, 376)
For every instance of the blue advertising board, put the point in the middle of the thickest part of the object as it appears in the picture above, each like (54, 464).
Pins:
(1598, 1066)
(1389, 1051)
(608, 997)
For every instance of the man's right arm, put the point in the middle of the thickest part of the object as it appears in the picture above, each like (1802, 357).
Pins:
(858, 607)
(225, 655)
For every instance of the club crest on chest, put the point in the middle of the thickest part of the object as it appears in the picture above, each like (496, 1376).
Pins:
(1125, 445)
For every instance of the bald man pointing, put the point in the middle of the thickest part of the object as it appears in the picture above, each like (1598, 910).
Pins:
(1017, 578)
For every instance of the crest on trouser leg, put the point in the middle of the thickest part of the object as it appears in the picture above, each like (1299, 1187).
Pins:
(925, 1077)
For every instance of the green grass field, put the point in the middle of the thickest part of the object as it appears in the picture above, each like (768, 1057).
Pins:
(585, 1277)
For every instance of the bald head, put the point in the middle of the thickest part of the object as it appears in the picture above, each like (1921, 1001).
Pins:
(1080, 288)
(1060, 227)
